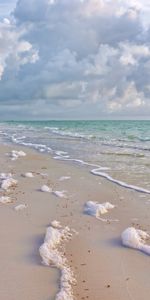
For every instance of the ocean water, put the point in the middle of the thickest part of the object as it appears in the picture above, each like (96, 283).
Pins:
(116, 150)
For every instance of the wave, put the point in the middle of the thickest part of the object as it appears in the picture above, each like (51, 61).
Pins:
(98, 172)
(62, 132)
(62, 155)
(125, 146)
(123, 154)
(121, 183)
(146, 139)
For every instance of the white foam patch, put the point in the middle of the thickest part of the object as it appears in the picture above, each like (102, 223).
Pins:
(62, 178)
(14, 154)
(135, 238)
(51, 255)
(42, 150)
(6, 181)
(20, 207)
(96, 209)
(46, 189)
(60, 194)
(5, 176)
(5, 200)
(28, 174)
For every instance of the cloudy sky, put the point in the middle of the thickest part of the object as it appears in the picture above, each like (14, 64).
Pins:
(74, 59)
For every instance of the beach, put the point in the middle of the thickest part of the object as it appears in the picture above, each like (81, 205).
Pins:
(102, 266)
(74, 150)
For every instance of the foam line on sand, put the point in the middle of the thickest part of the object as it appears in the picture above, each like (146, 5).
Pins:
(98, 170)
(121, 183)
(52, 255)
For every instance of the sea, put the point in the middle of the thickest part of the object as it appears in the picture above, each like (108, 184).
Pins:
(118, 151)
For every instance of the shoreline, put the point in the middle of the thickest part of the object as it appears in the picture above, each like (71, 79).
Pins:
(100, 263)
(122, 160)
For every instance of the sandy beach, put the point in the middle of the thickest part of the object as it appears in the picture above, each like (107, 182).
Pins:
(74, 150)
(103, 267)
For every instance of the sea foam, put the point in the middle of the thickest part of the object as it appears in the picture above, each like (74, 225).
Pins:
(6, 181)
(5, 200)
(98, 170)
(119, 182)
(14, 154)
(52, 255)
(96, 209)
(135, 238)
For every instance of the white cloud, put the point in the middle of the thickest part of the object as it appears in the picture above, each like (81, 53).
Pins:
(130, 99)
(90, 56)
(98, 64)
(14, 50)
(1, 71)
(132, 53)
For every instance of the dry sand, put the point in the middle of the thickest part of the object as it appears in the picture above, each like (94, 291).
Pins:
(104, 269)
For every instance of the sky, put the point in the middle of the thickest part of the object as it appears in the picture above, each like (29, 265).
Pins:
(74, 59)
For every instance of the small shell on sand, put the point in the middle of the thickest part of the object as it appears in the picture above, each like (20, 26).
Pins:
(28, 174)
(60, 194)
(62, 178)
(20, 207)
(46, 189)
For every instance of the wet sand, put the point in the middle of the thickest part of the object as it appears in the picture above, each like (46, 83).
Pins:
(103, 268)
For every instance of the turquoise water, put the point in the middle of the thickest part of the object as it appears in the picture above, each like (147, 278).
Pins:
(117, 130)
(123, 147)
